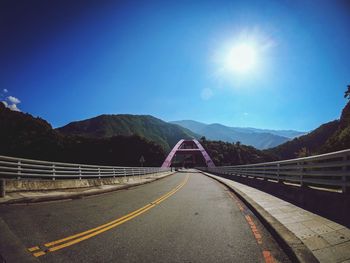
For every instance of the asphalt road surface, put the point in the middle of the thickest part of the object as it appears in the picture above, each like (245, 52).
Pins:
(186, 217)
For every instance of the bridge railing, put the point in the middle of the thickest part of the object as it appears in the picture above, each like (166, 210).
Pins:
(329, 170)
(12, 167)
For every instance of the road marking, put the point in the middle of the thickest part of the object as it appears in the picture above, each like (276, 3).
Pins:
(31, 249)
(109, 223)
(268, 258)
(93, 229)
(39, 254)
(79, 237)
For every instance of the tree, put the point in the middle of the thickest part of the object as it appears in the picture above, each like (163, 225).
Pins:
(347, 93)
(303, 152)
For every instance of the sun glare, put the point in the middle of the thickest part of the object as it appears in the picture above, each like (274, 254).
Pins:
(241, 58)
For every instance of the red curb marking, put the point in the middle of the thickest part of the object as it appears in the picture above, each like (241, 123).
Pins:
(267, 254)
(268, 257)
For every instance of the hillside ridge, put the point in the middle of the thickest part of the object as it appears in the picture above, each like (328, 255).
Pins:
(258, 138)
(147, 126)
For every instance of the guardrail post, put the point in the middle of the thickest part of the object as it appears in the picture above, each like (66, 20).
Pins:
(99, 173)
(278, 173)
(2, 187)
(124, 169)
(79, 172)
(345, 188)
(19, 170)
(53, 172)
(113, 172)
(300, 170)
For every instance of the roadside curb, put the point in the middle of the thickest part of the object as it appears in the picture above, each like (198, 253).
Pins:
(289, 242)
(39, 199)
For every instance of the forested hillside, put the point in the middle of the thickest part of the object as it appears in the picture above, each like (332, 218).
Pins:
(22, 135)
(225, 153)
(123, 139)
(106, 126)
(329, 137)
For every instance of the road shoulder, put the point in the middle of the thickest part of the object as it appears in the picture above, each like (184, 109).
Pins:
(265, 206)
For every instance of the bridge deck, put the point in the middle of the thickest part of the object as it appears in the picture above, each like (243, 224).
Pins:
(328, 241)
(186, 217)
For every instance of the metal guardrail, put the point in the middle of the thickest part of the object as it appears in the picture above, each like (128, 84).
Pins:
(11, 167)
(329, 170)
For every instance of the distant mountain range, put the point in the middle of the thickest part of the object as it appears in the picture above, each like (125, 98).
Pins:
(167, 134)
(259, 138)
(122, 139)
(106, 126)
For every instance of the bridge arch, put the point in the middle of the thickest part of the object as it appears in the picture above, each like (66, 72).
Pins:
(189, 148)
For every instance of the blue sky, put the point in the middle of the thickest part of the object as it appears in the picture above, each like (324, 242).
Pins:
(67, 61)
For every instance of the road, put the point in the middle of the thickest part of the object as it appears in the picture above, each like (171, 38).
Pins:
(186, 217)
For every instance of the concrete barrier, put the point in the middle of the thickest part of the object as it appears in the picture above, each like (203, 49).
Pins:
(22, 185)
(2, 187)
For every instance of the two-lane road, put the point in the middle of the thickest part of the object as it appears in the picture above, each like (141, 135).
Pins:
(186, 217)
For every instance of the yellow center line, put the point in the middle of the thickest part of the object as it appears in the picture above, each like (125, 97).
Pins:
(105, 225)
(79, 237)
(33, 249)
(93, 229)
(39, 254)
(78, 240)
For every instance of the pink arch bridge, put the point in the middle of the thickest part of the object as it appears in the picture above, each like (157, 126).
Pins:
(188, 153)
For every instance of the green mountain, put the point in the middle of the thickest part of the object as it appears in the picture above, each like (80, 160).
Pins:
(259, 138)
(225, 153)
(329, 137)
(22, 135)
(309, 144)
(122, 139)
(105, 126)
(340, 139)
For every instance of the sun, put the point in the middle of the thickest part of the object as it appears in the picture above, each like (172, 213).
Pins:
(241, 58)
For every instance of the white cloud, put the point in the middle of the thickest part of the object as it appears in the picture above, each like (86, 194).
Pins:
(13, 100)
(13, 107)
(206, 94)
(245, 113)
